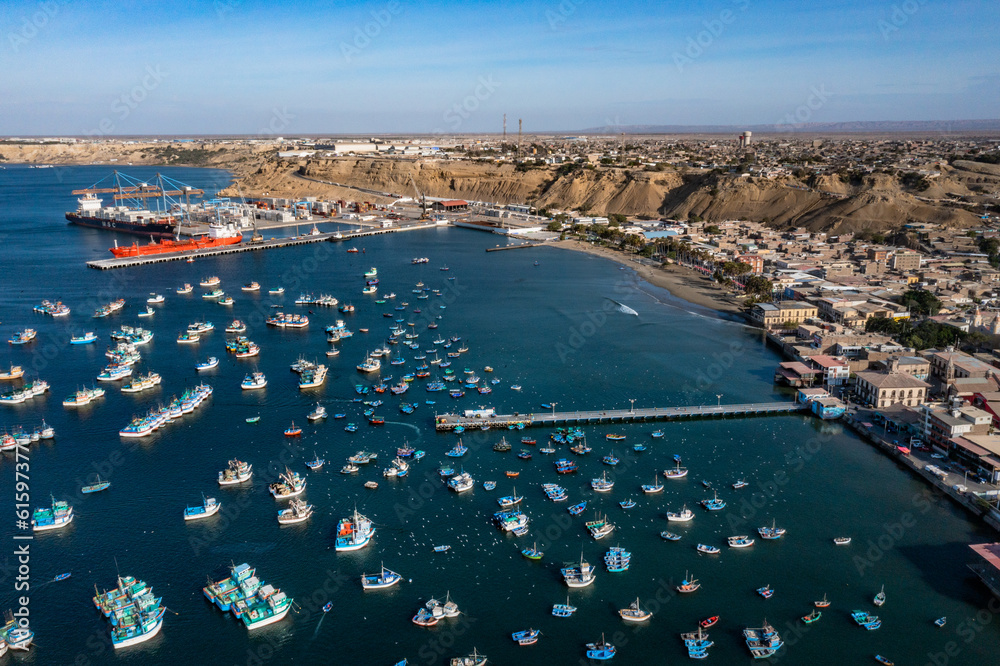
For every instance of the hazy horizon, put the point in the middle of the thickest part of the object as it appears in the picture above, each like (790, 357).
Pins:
(232, 67)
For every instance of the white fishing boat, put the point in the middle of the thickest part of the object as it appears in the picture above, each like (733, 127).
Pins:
(380, 581)
(634, 613)
(298, 511)
(237, 472)
(682, 516)
(208, 507)
(255, 380)
(354, 532)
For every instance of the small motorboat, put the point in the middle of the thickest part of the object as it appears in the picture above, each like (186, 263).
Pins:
(765, 591)
(441, 549)
(62, 576)
(842, 541)
(253, 419)
(884, 660)
(315, 463)
(812, 617)
(822, 603)
(528, 637)
(940, 622)
(708, 622)
(627, 504)
(670, 536)
(328, 607)
(293, 431)
(709, 550)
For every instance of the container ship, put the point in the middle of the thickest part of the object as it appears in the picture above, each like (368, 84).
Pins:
(218, 236)
(91, 213)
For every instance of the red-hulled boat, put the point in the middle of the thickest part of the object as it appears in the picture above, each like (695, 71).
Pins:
(218, 237)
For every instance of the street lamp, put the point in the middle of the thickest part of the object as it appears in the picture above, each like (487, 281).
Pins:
(554, 410)
(719, 396)
(632, 408)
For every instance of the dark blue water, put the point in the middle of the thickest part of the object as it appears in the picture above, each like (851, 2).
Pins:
(551, 328)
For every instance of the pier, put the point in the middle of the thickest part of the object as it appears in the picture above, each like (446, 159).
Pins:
(498, 248)
(128, 262)
(486, 418)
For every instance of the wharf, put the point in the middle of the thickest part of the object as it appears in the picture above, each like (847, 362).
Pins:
(128, 262)
(498, 248)
(447, 422)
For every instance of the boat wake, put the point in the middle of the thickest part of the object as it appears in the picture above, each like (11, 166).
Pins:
(624, 309)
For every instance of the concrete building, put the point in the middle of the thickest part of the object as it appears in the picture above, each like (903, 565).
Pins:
(882, 389)
(905, 261)
(450, 206)
(835, 371)
(943, 423)
(774, 315)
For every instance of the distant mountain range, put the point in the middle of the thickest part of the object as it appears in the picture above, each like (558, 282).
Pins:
(855, 127)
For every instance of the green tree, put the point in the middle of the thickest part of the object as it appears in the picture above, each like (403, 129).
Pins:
(555, 225)
(713, 230)
(921, 302)
(616, 219)
(760, 285)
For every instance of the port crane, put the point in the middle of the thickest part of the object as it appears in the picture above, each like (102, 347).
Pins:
(128, 188)
(421, 198)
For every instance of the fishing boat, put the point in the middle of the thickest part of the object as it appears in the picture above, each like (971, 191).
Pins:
(634, 613)
(842, 541)
(237, 472)
(288, 485)
(765, 591)
(579, 575)
(880, 597)
(187, 338)
(677, 472)
(614, 437)
(577, 509)
(940, 622)
(670, 536)
(708, 622)
(236, 326)
(884, 660)
(354, 532)
(84, 339)
(688, 584)
(600, 651)
(23, 337)
(57, 516)
(652, 488)
(563, 610)
(708, 550)
(371, 485)
(762, 642)
(208, 507)
(148, 312)
(298, 511)
(253, 419)
(318, 413)
(822, 603)
(441, 549)
(527, 637)
(532, 553)
(328, 607)
(253, 381)
(812, 616)
(508, 501)
(602, 485)
(276, 290)
(96, 487)
(740, 484)
(380, 581)
(714, 504)
(474, 659)
(315, 463)
(252, 286)
(460, 483)
(627, 504)
(772, 532)
(293, 430)
(617, 559)
(740, 541)
(186, 289)
(682, 516)
(83, 397)
(866, 620)
(267, 606)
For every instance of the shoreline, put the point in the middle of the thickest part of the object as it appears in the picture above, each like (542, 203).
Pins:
(682, 283)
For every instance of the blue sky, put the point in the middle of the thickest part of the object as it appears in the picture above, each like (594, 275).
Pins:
(237, 66)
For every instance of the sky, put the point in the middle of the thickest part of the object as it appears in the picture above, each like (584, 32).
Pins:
(78, 67)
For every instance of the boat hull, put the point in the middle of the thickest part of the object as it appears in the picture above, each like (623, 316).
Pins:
(153, 229)
(135, 640)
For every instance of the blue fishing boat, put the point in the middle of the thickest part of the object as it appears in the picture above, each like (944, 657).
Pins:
(96, 487)
(62, 576)
(457, 451)
(577, 509)
(563, 610)
(600, 651)
(527, 637)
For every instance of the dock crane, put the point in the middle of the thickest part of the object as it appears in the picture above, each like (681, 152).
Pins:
(421, 198)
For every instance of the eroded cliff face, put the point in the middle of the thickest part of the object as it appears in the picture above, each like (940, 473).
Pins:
(823, 202)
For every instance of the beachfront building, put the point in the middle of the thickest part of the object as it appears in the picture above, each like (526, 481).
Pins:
(783, 314)
(945, 422)
(882, 389)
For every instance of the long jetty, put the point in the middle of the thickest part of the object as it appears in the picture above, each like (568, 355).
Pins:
(500, 248)
(127, 262)
(486, 418)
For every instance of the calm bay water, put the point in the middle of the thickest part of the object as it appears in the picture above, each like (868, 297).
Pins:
(551, 328)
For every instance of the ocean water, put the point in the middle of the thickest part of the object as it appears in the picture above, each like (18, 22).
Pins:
(555, 329)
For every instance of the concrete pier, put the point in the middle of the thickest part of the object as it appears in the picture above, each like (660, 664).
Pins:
(447, 422)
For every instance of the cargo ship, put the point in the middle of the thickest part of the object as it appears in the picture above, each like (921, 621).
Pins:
(218, 236)
(91, 213)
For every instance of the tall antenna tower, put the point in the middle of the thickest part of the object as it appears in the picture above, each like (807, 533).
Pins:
(504, 128)
(518, 138)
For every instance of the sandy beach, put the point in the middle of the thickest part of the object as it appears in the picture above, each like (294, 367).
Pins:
(683, 283)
